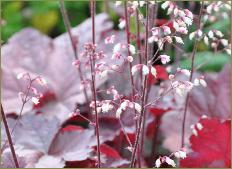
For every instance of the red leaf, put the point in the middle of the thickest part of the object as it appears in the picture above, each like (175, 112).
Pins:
(88, 163)
(131, 137)
(111, 157)
(153, 127)
(160, 22)
(47, 97)
(212, 101)
(109, 151)
(71, 128)
(161, 75)
(158, 111)
(211, 147)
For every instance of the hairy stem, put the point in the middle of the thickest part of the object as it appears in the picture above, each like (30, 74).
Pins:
(73, 42)
(9, 138)
(92, 6)
(190, 78)
(138, 133)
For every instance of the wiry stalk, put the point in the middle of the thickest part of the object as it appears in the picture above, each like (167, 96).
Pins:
(128, 51)
(143, 96)
(24, 101)
(130, 64)
(9, 138)
(73, 43)
(151, 17)
(92, 6)
(138, 42)
(191, 76)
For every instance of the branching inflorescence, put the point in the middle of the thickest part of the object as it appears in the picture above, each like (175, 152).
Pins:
(137, 58)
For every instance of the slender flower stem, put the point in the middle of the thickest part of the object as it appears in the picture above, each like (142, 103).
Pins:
(92, 6)
(191, 76)
(139, 125)
(9, 138)
(90, 122)
(158, 98)
(24, 101)
(151, 17)
(73, 43)
(138, 43)
(124, 132)
(138, 133)
(130, 64)
(128, 42)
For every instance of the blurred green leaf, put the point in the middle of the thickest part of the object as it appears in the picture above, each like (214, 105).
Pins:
(14, 21)
(222, 25)
(45, 22)
(213, 61)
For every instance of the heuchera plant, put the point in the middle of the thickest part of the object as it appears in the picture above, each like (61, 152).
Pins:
(99, 97)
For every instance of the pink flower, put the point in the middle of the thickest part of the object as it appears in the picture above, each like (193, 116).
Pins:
(122, 23)
(130, 59)
(110, 39)
(183, 30)
(166, 30)
(35, 100)
(164, 58)
(135, 68)
(180, 154)
(184, 71)
(41, 80)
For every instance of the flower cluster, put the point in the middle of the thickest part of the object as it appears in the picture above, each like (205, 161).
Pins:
(128, 104)
(117, 51)
(102, 106)
(182, 17)
(31, 93)
(183, 86)
(160, 35)
(113, 91)
(145, 69)
(119, 69)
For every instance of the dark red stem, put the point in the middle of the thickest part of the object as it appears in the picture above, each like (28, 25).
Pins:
(138, 43)
(73, 42)
(9, 138)
(92, 6)
(128, 51)
(138, 133)
(151, 17)
(190, 78)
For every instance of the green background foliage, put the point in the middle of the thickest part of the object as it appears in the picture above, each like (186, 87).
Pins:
(42, 15)
(46, 17)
